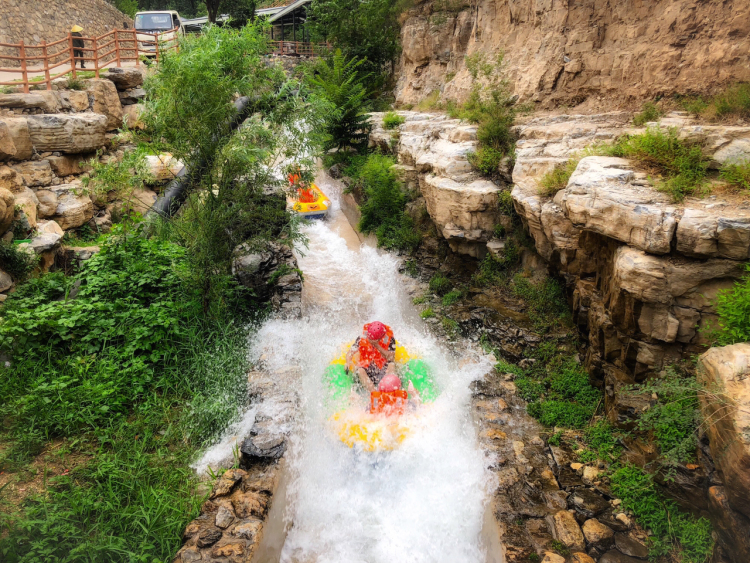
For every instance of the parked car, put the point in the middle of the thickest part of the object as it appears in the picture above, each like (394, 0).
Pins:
(165, 22)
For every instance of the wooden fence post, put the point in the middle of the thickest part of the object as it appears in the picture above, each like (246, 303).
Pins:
(135, 46)
(24, 73)
(72, 56)
(117, 49)
(156, 46)
(96, 59)
(47, 81)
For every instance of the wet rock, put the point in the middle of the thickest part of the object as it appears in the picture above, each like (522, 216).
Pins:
(614, 556)
(227, 482)
(597, 534)
(247, 529)
(581, 558)
(630, 546)
(248, 505)
(567, 531)
(209, 536)
(229, 549)
(224, 517)
(262, 449)
(587, 502)
(618, 524)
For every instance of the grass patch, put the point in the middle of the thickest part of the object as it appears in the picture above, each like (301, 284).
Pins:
(431, 102)
(733, 102)
(420, 300)
(391, 120)
(486, 160)
(428, 313)
(547, 306)
(440, 284)
(649, 112)
(451, 327)
(672, 529)
(681, 163)
(451, 297)
(736, 175)
(601, 442)
(733, 309)
(557, 179)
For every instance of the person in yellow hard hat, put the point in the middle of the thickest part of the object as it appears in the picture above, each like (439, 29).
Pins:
(75, 31)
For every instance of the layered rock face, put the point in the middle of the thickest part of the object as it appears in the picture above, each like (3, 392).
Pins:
(433, 150)
(644, 271)
(560, 51)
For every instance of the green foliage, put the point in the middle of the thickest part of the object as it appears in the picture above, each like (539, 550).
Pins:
(118, 178)
(674, 417)
(440, 284)
(602, 443)
(391, 120)
(732, 102)
(365, 30)
(495, 271)
(76, 84)
(559, 547)
(556, 179)
(736, 174)
(410, 269)
(383, 208)
(450, 326)
(670, 527)
(681, 163)
(733, 308)
(17, 263)
(451, 297)
(430, 102)
(421, 299)
(127, 7)
(342, 85)
(428, 313)
(486, 159)
(505, 203)
(649, 112)
(547, 306)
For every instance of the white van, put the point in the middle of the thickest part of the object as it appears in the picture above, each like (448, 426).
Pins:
(157, 22)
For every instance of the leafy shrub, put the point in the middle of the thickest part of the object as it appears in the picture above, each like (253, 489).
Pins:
(383, 208)
(736, 174)
(17, 263)
(682, 163)
(601, 443)
(670, 527)
(546, 302)
(118, 178)
(439, 284)
(733, 308)
(430, 102)
(556, 179)
(450, 326)
(451, 297)
(486, 160)
(342, 85)
(76, 84)
(674, 417)
(649, 112)
(391, 120)
(733, 101)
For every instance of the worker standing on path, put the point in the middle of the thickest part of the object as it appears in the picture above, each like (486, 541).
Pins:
(75, 31)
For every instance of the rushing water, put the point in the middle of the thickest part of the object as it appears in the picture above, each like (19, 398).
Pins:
(426, 500)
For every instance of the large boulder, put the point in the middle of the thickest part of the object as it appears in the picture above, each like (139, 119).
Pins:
(68, 133)
(46, 101)
(9, 179)
(27, 201)
(164, 166)
(105, 101)
(15, 142)
(75, 100)
(70, 165)
(73, 210)
(35, 172)
(7, 209)
(131, 116)
(47, 203)
(124, 78)
(725, 402)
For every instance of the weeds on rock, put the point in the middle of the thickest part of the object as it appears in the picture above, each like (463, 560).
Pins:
(733, 102)
(546, 300)
(451, 297)
(733, 309)
(391, 120)
(440, 284)
(736, 175)
(428, 313)
(17, 263)
(557, 179)
(649, 112)
(671, 529)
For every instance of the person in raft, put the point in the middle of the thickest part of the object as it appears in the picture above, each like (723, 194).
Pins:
(373, 355)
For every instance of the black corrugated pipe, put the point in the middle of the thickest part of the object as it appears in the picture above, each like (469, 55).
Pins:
(176, 192)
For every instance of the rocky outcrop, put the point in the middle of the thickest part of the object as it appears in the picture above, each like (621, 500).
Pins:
(75, 133)
(105, 101)
(7, 209)
(432, 154)
(560, 52)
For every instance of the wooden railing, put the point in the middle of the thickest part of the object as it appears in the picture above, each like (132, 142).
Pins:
(303, 48)
(114, 47)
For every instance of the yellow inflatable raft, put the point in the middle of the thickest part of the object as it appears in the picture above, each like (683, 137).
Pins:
(316, 209)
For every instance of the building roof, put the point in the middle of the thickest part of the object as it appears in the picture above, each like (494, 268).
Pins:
(288, 9)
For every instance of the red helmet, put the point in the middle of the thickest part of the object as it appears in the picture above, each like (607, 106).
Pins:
(376, 330)
(390, 382)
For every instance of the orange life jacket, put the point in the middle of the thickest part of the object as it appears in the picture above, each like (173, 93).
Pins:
(369, 354)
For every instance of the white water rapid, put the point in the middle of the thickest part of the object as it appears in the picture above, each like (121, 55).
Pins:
(423, 502)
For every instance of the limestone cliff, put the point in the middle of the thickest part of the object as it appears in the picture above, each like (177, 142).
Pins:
(564, 52)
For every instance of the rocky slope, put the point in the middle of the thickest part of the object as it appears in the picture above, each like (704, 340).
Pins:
(564, 52)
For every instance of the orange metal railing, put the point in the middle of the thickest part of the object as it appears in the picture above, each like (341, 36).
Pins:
(303, 48)
(112, 48)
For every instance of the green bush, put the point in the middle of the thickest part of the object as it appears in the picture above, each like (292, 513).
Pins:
(18, 264)
(602, 443)
(546, 302)
(556, 179)
(342, 85)
(736, 174)
(384, 205)
(486, 159)
(649, 112)
(670, 527)
(734, 101)
(681, 163)
(440, 284)
(428, 313)
(451, 297)
(733, 308)
(391, 120)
